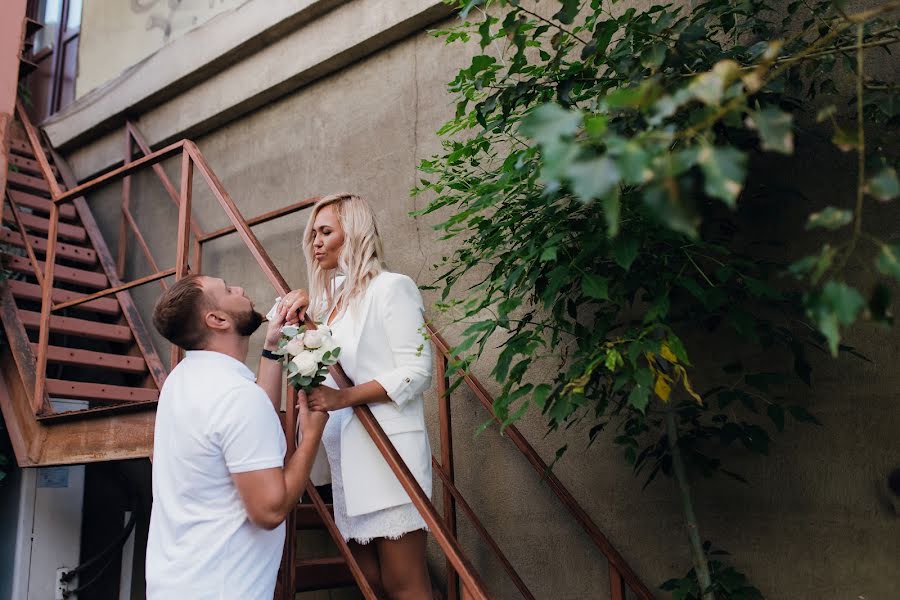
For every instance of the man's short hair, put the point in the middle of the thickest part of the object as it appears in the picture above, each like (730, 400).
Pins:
(178, 314)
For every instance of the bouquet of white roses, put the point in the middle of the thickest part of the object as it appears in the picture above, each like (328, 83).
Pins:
(307, 354)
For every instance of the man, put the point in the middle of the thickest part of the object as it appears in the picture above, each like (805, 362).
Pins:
(221, 488)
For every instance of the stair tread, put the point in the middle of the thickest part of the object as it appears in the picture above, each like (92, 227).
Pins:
(27, 181)
(66, 211)
(91, 358)
(96, 411)
(322, 573)
(64, 230)
(71, 275)
(29, 165)
(307, 517)
(78, 327)
(80, 254)
(31, 291)
(100, 392)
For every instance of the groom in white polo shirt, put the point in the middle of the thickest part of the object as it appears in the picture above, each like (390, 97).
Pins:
(221, 488)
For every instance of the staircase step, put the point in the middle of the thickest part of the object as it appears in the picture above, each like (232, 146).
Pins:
(307, 517)
(21, 146)
(79, 254)
(78, 327)
(28, 182)
(31, 291)
(65, 231)
(322, 574)
(66, 211)
(89, 358)
(99, 391)
(71, 275)
(29, 166)
(95, 411)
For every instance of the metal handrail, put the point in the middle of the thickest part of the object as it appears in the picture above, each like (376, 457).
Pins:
(620, 570)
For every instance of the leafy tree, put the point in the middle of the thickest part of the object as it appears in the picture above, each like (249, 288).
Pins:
(592, 171)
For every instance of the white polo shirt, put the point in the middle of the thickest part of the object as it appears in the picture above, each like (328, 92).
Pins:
(212, 421)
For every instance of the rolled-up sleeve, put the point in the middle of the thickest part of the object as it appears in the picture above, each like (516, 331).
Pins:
(400, 306)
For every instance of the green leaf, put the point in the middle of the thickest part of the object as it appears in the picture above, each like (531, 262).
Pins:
(835, 305)
(594, 286)
(634, 163)
(612, 209)
(593, 178)
(775, 128)
(625, 250)
(710, 87)
(549, 122)
(548, 254)
(595, 126)
(724, 172)
(567, 13)
(652, 57)
(888, 260)
(468, 6)
(540, 395)
(884, 185)
(830, 218)
(639, 397)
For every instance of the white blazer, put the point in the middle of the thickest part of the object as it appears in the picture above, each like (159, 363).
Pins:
(387, 344)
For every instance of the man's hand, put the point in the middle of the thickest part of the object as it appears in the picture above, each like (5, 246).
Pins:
(324, 398)
(311, 423)
(296, 303)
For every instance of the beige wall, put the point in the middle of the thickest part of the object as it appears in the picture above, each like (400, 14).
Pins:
(116, 34)
(809, 525)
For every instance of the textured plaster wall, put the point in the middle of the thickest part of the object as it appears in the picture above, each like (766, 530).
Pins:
(809, 525)
(115, 34)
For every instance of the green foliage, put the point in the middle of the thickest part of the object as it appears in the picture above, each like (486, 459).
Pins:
(727, 583)
(591, 173)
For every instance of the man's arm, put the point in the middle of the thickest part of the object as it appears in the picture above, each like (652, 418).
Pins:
(270, 494)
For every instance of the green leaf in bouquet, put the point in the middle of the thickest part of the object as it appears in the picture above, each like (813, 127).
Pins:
(290, 331)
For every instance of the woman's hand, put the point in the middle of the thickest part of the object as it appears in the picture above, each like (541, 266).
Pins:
(273, 331)
(324, 398)
(296, 303)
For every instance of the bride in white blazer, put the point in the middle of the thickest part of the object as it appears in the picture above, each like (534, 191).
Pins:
(376, 317)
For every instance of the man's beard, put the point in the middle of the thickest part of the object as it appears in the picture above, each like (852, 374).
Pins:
(246, 323)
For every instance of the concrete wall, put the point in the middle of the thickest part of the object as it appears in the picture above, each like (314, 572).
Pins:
(116, 34)
(810, 524)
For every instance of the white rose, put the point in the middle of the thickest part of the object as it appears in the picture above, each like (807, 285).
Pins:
(313, 339)
(294, 347)
(327, 346)
(306, 363)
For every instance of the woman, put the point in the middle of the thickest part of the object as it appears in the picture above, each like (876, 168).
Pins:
(376, 317)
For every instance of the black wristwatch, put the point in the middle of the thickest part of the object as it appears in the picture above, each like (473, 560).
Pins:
(270, 355)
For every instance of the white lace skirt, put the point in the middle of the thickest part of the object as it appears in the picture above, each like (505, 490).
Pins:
(389, 523)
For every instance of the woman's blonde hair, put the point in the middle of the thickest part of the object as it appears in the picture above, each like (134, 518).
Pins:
(360, 259)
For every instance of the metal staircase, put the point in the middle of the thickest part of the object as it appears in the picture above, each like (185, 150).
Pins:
(71, 330)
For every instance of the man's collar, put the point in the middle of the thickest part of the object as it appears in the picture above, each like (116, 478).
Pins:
(226, 361)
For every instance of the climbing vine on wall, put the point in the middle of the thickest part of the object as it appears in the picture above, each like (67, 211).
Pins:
(591, 175)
